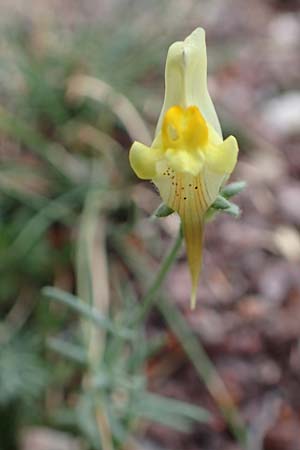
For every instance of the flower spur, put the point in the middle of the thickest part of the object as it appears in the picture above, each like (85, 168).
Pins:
(188, 160)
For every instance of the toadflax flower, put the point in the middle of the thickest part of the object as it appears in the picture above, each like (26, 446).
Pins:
(188, 160)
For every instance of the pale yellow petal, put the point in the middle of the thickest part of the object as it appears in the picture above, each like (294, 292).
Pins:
(212, 183)
(186, 195)
(174, 81)
(186, 78)
(191, 206)
(196, 77)
(222, 158)
(143, 160)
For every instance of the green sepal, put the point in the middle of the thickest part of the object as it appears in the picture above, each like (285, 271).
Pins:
(162, 211)
(221, 204)
(233, 189)
(210, 214)
(233, 210)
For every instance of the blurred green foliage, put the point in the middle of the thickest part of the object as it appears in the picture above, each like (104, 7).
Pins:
(63, 165)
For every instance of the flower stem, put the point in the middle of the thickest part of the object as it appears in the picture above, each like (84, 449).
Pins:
(150, 297)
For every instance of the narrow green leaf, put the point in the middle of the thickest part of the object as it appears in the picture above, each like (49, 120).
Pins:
(61, 208)
(82, 308)
(171, 412)
(70, 351)
(13, 126)
(86, 419)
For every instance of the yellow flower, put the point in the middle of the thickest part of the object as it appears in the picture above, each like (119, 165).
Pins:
(188, 160)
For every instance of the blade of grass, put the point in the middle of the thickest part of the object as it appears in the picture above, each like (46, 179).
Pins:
(92, 285)
(15, 128)
(56, 209)
(91, 266)
(99, 90)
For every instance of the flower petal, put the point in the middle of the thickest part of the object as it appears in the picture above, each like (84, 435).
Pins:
(186, 79)
(185, 162)
(193, 235)
(186, 195)
(212, 183)
(143, 160)
(223, 158)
